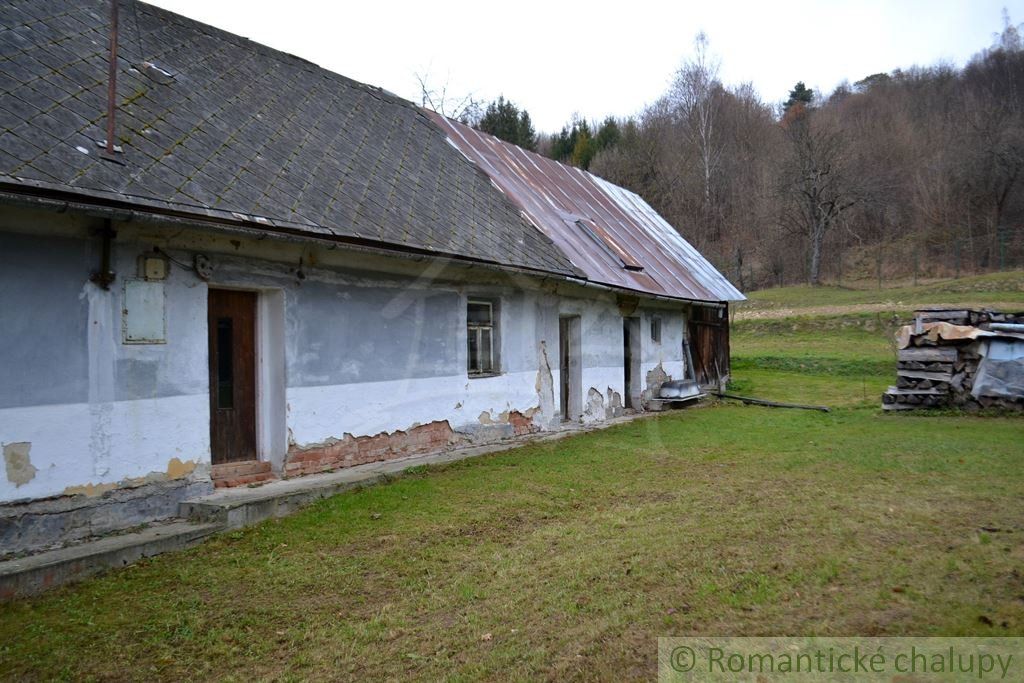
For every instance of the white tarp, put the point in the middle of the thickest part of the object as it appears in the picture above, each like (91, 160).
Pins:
(1001, 371)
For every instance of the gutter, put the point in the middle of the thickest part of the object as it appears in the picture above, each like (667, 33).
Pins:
(112, 211)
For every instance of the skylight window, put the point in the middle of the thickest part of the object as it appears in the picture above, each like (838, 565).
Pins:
(609, 246)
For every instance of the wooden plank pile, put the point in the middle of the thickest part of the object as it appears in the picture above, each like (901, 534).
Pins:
(923, 378)
(936, 368)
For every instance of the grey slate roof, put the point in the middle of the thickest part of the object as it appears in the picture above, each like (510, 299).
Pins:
(240, 130)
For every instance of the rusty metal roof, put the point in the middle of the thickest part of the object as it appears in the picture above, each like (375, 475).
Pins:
(606, 231)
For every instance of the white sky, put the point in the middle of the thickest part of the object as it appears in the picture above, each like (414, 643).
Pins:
(600, 58)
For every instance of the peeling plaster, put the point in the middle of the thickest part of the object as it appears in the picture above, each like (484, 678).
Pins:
(602, 406)
(90, 490)
(545, 386)
(20, 469)
(176, 469)
(614, 403)
(655, 378)
(594, 409)
(522, 422)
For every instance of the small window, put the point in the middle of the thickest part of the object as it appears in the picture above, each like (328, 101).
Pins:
(225, 364)
(603, 239)
(481, 338)
(656, 330)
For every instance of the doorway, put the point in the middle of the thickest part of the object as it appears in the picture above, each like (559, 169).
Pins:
(570, 368)
(709, 344)
(631, 361)
(231, 324)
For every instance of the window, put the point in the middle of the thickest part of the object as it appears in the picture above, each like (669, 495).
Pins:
(225, 364)
(481, 337)
(603, 239)
(656, 330)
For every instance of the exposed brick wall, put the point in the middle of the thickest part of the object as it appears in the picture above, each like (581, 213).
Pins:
(240, 473)
(521, 424)
(350, 450)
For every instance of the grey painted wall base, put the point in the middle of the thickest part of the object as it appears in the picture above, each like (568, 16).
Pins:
(229, 509)
(37, 573)
(45, 523)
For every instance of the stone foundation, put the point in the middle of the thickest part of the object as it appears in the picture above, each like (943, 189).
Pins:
(44, 523)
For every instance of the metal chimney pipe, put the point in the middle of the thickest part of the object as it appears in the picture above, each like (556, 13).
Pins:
(112, 80)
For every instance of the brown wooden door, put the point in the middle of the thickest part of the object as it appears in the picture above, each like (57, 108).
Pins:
(570, 367)
(231, 319)
(709, 344)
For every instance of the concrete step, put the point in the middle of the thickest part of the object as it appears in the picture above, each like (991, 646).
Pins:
(230, 508)
(234, 508)
(37, 573)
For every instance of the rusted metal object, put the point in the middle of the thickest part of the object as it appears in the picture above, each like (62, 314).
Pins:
(109, 150)
(608, 232)
(771, 404)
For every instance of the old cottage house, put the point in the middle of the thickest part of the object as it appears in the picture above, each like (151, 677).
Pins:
(275, 271)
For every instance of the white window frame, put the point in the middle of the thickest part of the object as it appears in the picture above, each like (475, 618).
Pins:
(656, 329)
(478, 329)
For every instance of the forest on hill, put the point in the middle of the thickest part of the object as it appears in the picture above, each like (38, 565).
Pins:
(914, 173)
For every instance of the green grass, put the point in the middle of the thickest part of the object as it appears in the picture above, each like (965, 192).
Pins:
(566, 560)
(1006, 288)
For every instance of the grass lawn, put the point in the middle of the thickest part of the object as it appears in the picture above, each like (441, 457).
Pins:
(569, 559)
(995, 288)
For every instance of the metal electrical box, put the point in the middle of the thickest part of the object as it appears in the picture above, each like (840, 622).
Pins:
(143, 319)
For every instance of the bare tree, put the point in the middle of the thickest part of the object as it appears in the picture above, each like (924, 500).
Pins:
(464, 108)
(814, 188)
(694, 93)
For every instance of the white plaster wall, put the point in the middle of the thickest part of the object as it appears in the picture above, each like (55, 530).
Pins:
(316, 414)
(79, 444)
(668, 353)
(601, 350)
(147, 404)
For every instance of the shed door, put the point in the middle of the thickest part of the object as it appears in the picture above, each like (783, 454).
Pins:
(232, 330)
(709, 344)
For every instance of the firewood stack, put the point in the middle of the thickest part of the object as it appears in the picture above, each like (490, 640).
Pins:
(939, 356)
(923, 378)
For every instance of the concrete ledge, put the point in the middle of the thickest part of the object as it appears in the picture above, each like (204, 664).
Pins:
(37, 573)
(32, 526)
(231, 508)
(239, 507)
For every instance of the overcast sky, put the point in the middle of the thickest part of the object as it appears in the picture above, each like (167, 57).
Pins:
(596, 59)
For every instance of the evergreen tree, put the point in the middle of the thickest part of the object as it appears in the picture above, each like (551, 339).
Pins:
(504, 120)
(578, 144)
(562, 143)
(583, 148)
(608, 135)
(527, 135)
(800, 94)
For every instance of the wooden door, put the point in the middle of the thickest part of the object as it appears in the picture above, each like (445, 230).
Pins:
(563, 367)
(709, 344)
(570, 367)
(231, 320)
(631, 362)
(564, 328)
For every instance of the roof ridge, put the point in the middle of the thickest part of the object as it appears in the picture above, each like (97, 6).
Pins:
(282, 55)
